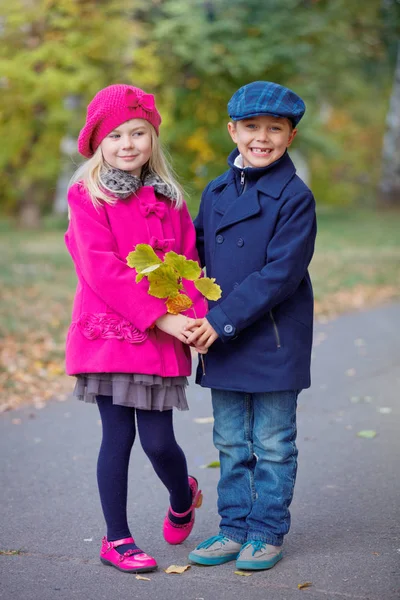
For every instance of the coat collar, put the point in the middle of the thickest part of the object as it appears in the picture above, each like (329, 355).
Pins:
(270, 181)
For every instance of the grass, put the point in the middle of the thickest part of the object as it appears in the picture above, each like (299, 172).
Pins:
(357, 259)
(356, 264)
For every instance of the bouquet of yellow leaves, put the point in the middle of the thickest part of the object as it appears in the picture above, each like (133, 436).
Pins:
(165, 277)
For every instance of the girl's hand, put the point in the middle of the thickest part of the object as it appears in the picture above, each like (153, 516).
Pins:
(175, 325)
(202, 335)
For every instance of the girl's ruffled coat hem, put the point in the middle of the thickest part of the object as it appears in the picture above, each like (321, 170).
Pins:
(146, 392)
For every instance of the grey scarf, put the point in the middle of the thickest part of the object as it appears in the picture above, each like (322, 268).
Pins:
(123, 184)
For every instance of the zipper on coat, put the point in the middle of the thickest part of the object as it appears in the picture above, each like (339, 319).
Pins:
(276, 332)
(243, 182)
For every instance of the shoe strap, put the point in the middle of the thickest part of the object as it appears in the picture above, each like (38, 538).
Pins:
(192, 506)
(116, 543)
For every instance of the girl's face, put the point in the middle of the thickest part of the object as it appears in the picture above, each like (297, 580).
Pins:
(128, 147)
(261, 140)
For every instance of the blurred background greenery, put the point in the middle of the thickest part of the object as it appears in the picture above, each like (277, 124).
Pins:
(340, 56)
(55, 55)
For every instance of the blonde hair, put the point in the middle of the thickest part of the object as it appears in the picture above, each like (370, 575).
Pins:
(89, 173)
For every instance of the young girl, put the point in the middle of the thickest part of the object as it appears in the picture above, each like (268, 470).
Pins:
(128, 354)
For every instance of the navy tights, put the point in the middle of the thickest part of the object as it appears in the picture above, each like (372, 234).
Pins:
(158, 442)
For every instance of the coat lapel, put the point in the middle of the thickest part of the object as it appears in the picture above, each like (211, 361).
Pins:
(237, 208)
(234, 208)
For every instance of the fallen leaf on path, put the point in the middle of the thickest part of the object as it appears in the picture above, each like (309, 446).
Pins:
(367, 433)
(385, 410)
(243, 574)
(212, 465)
(306, 584)
(142, 578)
(16, 421)
(203, 420)
(177, 569)
(350, 372)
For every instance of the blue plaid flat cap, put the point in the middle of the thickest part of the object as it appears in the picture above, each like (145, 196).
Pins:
(265, 98)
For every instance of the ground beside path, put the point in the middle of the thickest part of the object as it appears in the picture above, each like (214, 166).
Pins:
(345, 536)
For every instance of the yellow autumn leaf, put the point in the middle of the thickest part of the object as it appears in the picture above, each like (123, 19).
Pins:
(212, 465)
(54, 369)
(203, 420)
(209, 288)
(178, 304)
(141, 578)
(188, 269)
(164, 282)
(142, 257)
(243, 574)
(177, 569)
(306, 584)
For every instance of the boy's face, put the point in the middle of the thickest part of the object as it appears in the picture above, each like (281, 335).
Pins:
(261, 140)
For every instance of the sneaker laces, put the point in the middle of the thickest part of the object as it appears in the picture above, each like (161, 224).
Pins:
(212, 540)
(258, 546)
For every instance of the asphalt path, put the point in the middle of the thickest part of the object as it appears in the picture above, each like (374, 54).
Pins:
(345, 535)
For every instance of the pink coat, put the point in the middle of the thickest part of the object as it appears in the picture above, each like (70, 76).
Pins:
(112, 314)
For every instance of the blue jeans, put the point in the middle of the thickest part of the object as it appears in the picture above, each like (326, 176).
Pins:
(256, 438)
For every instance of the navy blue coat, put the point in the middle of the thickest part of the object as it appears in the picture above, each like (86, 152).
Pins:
(256, 231)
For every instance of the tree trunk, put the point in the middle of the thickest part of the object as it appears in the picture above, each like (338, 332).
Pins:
(30, 208)
(29, 216)
(389, 188)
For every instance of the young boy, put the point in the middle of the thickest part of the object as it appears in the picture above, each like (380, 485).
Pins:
(256, 229)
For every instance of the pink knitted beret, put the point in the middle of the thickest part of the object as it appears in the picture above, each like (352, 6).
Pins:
(111, 107)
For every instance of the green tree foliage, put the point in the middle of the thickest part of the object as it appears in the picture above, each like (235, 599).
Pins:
(193, 55)
(52, 51)
(330, 52)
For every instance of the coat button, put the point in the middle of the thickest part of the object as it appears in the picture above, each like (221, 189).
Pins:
(228, 328)
(220, 239)
(240, 242)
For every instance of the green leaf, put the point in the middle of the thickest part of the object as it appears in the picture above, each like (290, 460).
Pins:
(212, 465)
(142, 258)
(367, 433)
(209, 288)
(145, 272)
(188, 269)
(150, 269)
(164, 282)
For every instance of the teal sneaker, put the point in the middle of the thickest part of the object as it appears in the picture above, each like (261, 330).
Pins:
(215, 550)
(256, 556)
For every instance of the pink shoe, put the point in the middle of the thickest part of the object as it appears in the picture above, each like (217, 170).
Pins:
(176, 534)
(132, 561)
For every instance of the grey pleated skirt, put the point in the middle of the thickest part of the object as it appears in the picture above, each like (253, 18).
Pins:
(146, 392)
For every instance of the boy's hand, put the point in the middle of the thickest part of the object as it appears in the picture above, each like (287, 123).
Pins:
(176, 325)
(201, 334)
